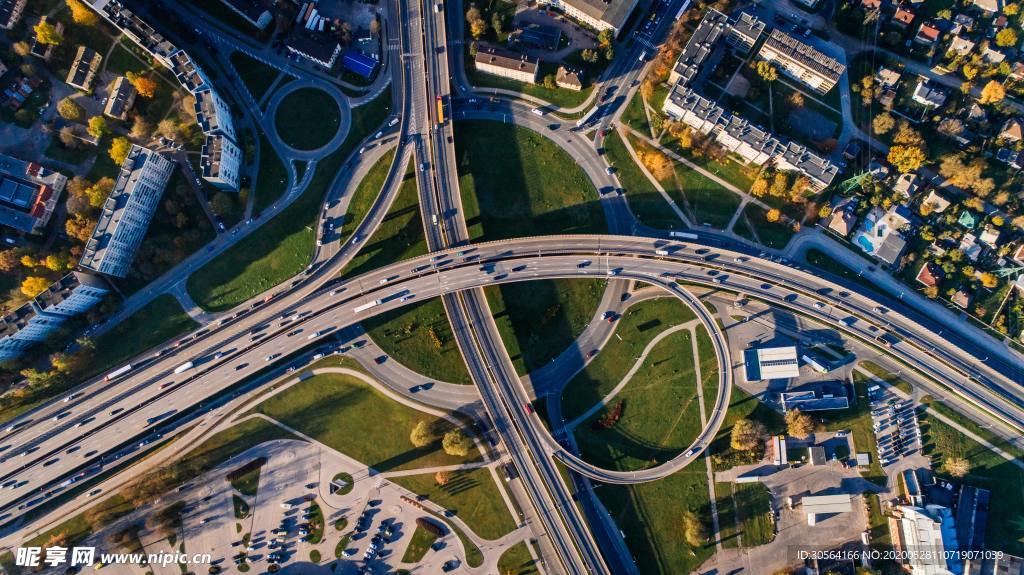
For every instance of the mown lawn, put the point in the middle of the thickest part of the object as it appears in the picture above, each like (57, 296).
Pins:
(307, 119)
(283, 246)
(271, 176)
(635, 116)
(420, 337)
(516, 560)
(857, 419)
(419, 545)
(538, 320)
(517, 183)
(471, 494)
(660, 413)
(646, 203)
(640, 324)
(772, 234)
(349, 415)
(744, 514)
(742, 405)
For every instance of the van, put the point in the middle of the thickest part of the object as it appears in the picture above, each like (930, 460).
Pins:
(538, 111)
(662, 252)
(433, 219)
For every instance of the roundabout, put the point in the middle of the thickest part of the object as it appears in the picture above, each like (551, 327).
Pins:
(310, 120)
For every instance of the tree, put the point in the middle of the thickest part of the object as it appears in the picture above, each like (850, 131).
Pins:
(80, 227)
(46, 33)
(422, 435)
(22, 48)
(906, 158)
(119, 149)
(796, 99)
(375, 27)
(478, 28)
(442, 478)
(34, 285)
(168, 127)
(951, 127)
(141, 128)
(497, 23)
(604, 39)
(759, 187)
(67, 137)
(221, 203)
(58, 262)
(588, 55)
(989, 280)
(746, 435)
(883, 123)
(550, 83)
(766, 71)
(657, 163)
(798, 424)
(144, 85)
(81, 14)
(825, 210)
(693, 529)
(956, 466)
(97, 126)
(906, 135)
(98, 192)
(931, 292)
(1006, 37)
(69, 109)
(455, 443)
(773, 215)
(9, 260)
(1011, 9)
(992, 92)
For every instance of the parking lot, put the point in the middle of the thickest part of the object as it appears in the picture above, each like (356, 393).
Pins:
(894, 421)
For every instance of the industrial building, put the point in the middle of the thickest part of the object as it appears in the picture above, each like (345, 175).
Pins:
(599, 14)
(770, 363)
(28, 194)
(506, 63)
(36, 320)
(322, 51)
(125, 215)
(924, 536)
(358, 63)
(817, 505)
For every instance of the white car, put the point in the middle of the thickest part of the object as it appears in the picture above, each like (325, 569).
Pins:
(286, 506)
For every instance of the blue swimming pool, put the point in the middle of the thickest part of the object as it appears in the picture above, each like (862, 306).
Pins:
(865, 243)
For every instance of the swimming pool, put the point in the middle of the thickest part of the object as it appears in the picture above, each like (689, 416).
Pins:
(865, 243)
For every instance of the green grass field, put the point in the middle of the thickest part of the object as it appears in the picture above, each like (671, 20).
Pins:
(772, 234)
(1005, 531)
(418, 547)
(650, 516)
(742, 405)
(645, 201)
(710, 203)
(471, 494)
(660, 416)
(538, 320)
(972, 426)
(516, 560)
(283, 246)
(258, 77)
(708, 368)
(640, 324)
(271, 176)
(635, 116)
(307, 119)
(420, 337)
(516, 183)
(246, 483)
(158, 321)
(744, 514)
(857, 418)
(400, 234)
(349, 415)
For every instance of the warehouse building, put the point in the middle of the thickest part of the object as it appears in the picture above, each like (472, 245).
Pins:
(770, 363)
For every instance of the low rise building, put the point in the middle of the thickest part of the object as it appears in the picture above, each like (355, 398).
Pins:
(41, 50)
(888, 79)
(903, 17)
(322, 50)
(929, 95)
(989, 6)
(569, 79)
(598, 14)
(927, 35)
(936, 202)
(358, 63)
(960, 46)
(221, 162)
(906, 185)
(84, 69)
(28, 194)
(770, 363)
(880, 234)
(824, 505)
(506, 63)
(930, 274)
(924, 537)
(122, 96)
(126, 213)
(801, 62)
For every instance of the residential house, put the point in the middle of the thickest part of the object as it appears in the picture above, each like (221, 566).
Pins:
(888, 79)
(960, 46)
(44, 51)
(120, 100)
(1018, 256)
(1013, 130)
(993, 56)
(970, 247)
(871, 4)
(930, 274)
(961, 298)
(929, 95)
(906, 185)
(936, 201)
(903, 17)
(880, 234)
(962, 23)
(989, 236)
(989, 6)
(968, 219)
(927, 35)
(569, 79)
(842, 222)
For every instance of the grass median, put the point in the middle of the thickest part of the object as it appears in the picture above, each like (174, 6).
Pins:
(282, 247)
(420, 337)
(351, 416)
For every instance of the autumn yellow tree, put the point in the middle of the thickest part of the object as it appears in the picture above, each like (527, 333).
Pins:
(799, 424)
(773, 215)
(119, 149)
(34, 285)
(906, 158)
(989, 280)
(46, 33)
(81, 14)
(442, 477)
(992, 92)
(957, 466)
(657, 163)
(421, 434)
(746, 435)
(144, 85)
(455, 443)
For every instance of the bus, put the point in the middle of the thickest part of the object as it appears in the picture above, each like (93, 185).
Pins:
(440, 110)
(684, 235)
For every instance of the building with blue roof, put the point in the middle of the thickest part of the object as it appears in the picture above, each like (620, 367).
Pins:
(359, 63)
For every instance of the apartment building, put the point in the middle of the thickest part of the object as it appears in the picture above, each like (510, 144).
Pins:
(221, 162)
(598, 14)
(506, 63)
(122, 96)
(801, 61)
(125, 215)
(84, 69)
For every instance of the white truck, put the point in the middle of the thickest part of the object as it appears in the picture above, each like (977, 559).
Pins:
(184, 367)
(684, 235)
(366, 306)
